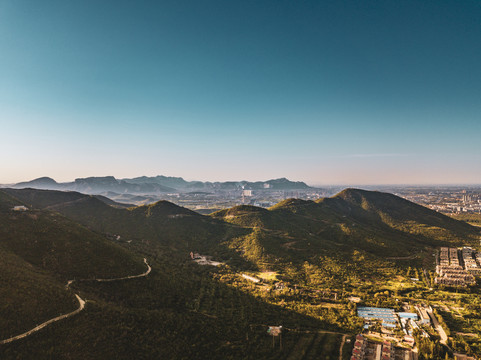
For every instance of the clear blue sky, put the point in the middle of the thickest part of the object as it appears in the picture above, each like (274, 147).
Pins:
(328, 92)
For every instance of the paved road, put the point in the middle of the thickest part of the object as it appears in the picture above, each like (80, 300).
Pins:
(41, 326)
(147, 272)
(414, 256)
(438, 327)
(80, 308)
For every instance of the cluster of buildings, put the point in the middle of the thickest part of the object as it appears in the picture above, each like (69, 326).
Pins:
(389, 319)
(424, 316)
(471, 259)
(387, 316)
(451, 271)
(365, 349)
(448, 200)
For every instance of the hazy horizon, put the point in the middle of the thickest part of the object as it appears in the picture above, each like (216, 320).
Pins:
(312, 184)
(326, 93)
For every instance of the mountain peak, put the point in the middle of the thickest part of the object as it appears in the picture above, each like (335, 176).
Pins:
(44, 181)
(166, 208)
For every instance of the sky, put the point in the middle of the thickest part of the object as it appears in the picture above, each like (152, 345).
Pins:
(326, 92)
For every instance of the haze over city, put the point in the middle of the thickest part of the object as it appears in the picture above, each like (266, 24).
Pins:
(342, 92)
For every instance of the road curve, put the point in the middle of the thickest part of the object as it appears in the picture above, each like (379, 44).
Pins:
(80, 308)
(41, 326)
(147, 272)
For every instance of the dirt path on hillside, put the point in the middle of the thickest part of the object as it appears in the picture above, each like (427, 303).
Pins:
(410, 257)
(75, 312)
(41, 326)
(147, 272)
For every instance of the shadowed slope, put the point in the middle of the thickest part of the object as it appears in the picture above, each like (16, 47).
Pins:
(52, 242)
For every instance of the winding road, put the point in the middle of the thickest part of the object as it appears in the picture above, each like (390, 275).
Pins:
(75, 312)
(41, 326)
(147, 272)
(149, 269)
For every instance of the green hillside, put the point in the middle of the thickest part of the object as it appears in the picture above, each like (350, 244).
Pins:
(41, 250)
(29, 295)
(322, 251)
(380, 224)
(176, 228)
(401, 214)
(175, 314)
(373, 223)
(51, 242)
(470, 218)
(179, 311)
(8, 202)
(46, 198)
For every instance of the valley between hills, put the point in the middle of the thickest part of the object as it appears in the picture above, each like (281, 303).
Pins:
(305, 265)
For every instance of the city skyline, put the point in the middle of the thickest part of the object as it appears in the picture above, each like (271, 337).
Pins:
(341, 93)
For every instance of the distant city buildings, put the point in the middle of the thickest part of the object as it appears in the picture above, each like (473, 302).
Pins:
(212, 200)
(450, 200)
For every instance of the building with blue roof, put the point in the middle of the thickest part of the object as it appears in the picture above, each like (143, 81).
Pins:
(387, 316)
(407, 315)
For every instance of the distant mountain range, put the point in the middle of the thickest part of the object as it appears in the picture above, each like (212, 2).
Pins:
(157, 184)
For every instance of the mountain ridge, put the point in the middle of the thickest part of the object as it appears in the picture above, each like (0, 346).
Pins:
(375, 222)
(156, 184)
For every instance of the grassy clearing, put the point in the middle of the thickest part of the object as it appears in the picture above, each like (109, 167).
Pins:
(267, 275)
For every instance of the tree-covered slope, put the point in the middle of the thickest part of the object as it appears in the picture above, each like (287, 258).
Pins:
(179, 311)
(29, 295)
(39, 251)
(162, 223)
(339, 245)
(395, 212)
(51, 242)
(379, 224)
(42, 199)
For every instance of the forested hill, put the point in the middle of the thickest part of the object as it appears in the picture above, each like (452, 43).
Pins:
(162, 223)
(56, 244)
(178, 311)
(377, 223)
(182, 309)
(393, 209)
(44, 199)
